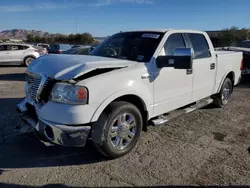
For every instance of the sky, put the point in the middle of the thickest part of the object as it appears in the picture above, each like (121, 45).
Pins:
(106, 17)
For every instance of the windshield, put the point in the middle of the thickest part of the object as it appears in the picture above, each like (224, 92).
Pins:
(134, 46)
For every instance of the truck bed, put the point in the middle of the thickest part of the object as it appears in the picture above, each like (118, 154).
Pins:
(227, 61)
(245, 51)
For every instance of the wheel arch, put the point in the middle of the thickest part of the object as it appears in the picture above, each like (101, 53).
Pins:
(231, 76)
(133, 98)
(25, 57)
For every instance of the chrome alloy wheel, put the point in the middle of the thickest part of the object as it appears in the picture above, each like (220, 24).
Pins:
(226, 93)
(122, 131)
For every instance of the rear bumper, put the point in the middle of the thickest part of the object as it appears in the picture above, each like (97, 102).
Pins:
(51, 132)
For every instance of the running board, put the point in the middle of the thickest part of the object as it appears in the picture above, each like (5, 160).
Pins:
(163, 119)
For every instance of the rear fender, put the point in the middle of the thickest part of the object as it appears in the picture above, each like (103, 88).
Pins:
(222, 80)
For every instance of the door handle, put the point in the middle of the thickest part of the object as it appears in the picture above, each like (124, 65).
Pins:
(212, 66)
(144, 76)
(189, 71)
(7, 53)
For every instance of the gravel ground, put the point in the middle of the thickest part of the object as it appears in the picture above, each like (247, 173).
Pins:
(207, 147)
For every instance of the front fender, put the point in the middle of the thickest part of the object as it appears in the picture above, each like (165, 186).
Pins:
(145, 98)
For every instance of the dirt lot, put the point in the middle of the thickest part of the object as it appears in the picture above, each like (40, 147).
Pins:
(206, 147)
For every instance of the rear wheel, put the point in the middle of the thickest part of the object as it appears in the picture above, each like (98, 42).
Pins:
(222, 98)
(117, 130)
(28, 60)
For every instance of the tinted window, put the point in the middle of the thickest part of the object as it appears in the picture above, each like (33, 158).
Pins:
(200, 46)
(54, 47)
(25, 47)
(174, 41)
(64, 47)
(18, 47)
(3, 47)
(134, 46)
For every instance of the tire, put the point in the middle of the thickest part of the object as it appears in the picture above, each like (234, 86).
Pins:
(222, 98)
(28, 60)
(117, 130)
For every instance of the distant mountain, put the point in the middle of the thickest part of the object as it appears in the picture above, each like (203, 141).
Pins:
(22, 34)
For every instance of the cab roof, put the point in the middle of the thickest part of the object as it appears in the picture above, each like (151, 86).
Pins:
(165, 30)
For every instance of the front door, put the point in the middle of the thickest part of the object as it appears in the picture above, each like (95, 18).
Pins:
(204, 67)
(172, 87)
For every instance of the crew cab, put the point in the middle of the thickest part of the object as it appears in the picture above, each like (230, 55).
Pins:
(131, 80)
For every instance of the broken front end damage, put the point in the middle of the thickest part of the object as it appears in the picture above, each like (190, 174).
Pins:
(51, 133)
(93, 73)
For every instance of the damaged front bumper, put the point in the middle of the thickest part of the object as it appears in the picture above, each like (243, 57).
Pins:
(50, 132)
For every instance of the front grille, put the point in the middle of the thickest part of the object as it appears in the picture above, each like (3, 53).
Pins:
(36, 85)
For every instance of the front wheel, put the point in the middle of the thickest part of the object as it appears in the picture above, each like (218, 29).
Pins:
(117, 130)
(222, 98)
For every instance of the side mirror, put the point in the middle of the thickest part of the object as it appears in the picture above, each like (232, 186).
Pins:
(182, 59)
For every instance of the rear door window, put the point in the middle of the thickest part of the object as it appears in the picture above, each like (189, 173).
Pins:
(200, 45)
(18, 47)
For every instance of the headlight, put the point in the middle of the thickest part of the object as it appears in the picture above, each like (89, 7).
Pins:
(69, 94)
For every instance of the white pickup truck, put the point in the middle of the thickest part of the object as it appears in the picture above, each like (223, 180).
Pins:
(129, 81)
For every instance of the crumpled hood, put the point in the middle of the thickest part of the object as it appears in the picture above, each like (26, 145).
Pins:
(66, 67)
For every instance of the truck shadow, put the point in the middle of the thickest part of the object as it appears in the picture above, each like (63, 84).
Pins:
(24, 150)
(12, 77)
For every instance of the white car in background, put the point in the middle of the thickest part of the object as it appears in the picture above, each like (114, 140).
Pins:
(17, 54)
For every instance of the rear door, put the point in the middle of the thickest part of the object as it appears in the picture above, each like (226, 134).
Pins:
(204, 66)
(18, 52)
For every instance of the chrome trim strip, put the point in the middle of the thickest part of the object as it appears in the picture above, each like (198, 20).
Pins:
(40, 88)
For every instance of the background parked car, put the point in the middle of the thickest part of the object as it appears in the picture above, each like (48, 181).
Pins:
(245, 44)
(41, 50)
(83, 50)
(43, 45)
(17, 54)
(58, 48)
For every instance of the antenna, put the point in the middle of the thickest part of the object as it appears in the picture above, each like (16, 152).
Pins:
(76, 24)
